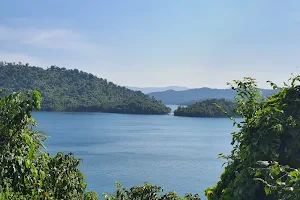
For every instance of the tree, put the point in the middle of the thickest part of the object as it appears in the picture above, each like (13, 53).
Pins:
(26, 172)
(264, 162)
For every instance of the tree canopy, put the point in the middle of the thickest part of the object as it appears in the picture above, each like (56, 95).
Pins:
(146, 192)
(265, 160)
(207, 108)
(73, 90)
(26, 172)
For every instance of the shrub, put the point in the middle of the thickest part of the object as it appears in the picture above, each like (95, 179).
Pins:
(26, 172)
(265, 160)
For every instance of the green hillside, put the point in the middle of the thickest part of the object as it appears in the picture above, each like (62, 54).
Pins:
(73, 90)
(207, 108)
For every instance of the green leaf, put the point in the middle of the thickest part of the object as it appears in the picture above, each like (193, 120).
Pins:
(267, 190)
(257, 173)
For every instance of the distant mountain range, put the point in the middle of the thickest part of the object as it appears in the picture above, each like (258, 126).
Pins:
(147, 90)
(190, 96)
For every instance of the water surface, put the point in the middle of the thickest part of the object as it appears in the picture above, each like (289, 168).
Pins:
(177, 153)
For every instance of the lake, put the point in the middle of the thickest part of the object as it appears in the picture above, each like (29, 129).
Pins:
(177, 153)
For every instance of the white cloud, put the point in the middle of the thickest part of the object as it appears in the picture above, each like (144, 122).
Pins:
(62, 40)
(59, 39)
(45, 47)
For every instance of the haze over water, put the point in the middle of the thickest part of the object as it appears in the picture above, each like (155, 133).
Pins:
(177, 153)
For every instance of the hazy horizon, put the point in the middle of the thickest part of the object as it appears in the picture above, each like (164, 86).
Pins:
(156, 43)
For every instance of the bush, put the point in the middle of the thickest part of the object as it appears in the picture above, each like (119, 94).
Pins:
(26, 172)
(265, 160)
(146, 192)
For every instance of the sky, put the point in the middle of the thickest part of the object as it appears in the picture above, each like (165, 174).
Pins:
(156, 43)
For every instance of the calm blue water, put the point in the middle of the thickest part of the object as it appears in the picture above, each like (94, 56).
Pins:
(177, 153)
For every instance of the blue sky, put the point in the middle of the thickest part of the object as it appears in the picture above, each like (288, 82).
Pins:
(191, 43)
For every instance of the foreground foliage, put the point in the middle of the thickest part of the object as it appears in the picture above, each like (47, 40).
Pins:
(265, 160)
(207, 108)
(146, 192)
(26, 172)
(74, 90)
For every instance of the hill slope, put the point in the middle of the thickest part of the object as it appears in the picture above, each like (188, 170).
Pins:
(74, 90)
(207, 108)
(147, 90)
(187, 97)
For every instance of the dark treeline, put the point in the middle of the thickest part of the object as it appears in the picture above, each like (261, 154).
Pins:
(73, 90)
(208, 108)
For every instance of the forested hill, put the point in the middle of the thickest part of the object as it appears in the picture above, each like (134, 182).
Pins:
(73, 90)
(207, 108)
(187, 97)
(147, 90)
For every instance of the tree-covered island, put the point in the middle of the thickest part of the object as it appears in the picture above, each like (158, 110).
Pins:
(207, 108)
